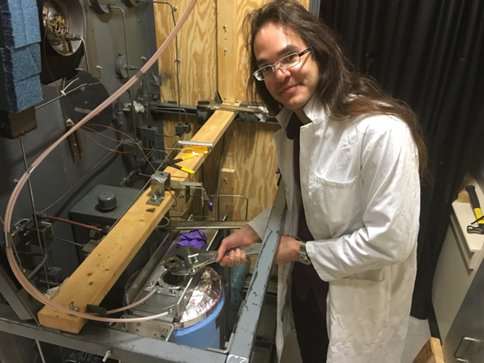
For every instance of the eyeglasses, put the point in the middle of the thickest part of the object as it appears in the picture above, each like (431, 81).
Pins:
(286, 62)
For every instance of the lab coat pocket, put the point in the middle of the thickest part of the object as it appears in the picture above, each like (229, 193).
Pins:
(358, 308)
(370, 275)
(333, 203)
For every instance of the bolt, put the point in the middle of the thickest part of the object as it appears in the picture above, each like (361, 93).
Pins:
(106, 356)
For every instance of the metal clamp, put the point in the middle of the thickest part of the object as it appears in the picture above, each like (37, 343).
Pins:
(158, 183)
(458, 355)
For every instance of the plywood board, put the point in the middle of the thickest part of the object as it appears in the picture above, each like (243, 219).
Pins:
(196, 60)
(250, 151)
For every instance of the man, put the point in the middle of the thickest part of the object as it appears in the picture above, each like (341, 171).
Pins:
(349, 155)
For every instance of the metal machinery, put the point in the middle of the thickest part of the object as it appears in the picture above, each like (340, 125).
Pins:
(88, 49)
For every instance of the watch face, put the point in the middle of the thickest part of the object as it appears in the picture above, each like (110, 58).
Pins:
(303, 256)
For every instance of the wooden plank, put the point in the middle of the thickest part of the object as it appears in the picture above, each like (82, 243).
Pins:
(210, 132)
(431, 352)
(225, 204)
(227, 30)
(250, 150)
(97, 274)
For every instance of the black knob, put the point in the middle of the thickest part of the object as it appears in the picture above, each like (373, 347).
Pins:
(106, 201)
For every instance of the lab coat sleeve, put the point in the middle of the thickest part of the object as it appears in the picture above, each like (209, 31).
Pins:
(390, 197)
(259, 222)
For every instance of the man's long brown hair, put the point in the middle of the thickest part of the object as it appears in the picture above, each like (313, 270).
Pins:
(344, 92)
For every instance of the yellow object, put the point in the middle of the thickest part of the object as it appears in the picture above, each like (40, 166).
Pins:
(196, 150)
(431, 352)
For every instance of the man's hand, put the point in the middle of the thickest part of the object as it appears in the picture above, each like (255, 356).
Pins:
(288, 250)
(243, 237)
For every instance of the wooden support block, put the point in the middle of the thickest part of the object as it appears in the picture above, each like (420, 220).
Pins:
(226, 201)
(97, 274)
(431, 352)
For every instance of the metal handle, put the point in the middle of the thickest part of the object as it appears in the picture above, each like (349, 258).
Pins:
(471, 190)
(251, 250)
(458, 355)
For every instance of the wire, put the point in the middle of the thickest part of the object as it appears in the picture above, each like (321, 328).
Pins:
(177, 55)
(34, 211)
(74, 223)
(146, 158)
(86, 58)
(132, 305)
(67, 241)
(63, 93)
(81, 180)
(127, 62)
(166, 224)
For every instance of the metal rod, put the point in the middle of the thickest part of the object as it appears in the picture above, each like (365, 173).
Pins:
(196, 143)
(41, 352)
(34, 209)
(125, 346)
(182, 225)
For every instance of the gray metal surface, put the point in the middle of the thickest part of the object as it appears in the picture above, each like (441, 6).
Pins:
(185, 225)
(123, 346)
(15, 299)
(243, 339)
(314, 7)
(465, 340)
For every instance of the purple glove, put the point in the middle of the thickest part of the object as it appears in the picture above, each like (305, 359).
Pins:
(195, 239)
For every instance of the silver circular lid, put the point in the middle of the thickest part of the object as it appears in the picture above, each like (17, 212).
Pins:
(204, 299)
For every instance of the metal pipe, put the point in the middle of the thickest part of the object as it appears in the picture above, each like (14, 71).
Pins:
(34, 210)
(183, 225)
(196, 143)
(38, 267)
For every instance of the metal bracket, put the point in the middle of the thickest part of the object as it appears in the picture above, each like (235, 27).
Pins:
(232, 358)
(158, 183)
(185, 187)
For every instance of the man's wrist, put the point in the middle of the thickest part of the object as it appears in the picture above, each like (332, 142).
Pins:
(303, 255)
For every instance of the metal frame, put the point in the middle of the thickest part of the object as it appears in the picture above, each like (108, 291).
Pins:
(110, 342)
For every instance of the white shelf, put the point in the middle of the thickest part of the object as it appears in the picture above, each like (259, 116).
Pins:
(472, 244)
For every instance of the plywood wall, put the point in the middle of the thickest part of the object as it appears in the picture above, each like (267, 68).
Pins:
(197, 47)
(213, 58)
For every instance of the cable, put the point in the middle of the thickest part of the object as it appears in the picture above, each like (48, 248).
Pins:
(34, 211)
(146, 158)
(26, 175)
(133, 115)
(67, 241)
(64, 93)
(81, 180)
(74, 223)
(177, 55)
(132, 305)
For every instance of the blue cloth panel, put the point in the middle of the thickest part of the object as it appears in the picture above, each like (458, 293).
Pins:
(19, 23)
(20, 62)
(19, 78)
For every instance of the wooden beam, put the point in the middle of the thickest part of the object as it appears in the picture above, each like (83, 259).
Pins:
(97, 274)
(431, 352)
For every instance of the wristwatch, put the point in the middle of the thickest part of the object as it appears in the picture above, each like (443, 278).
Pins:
(303, 255)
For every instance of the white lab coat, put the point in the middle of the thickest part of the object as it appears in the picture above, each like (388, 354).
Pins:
(361, 196)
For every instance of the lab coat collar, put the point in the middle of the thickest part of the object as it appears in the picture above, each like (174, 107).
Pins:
(314, 110)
